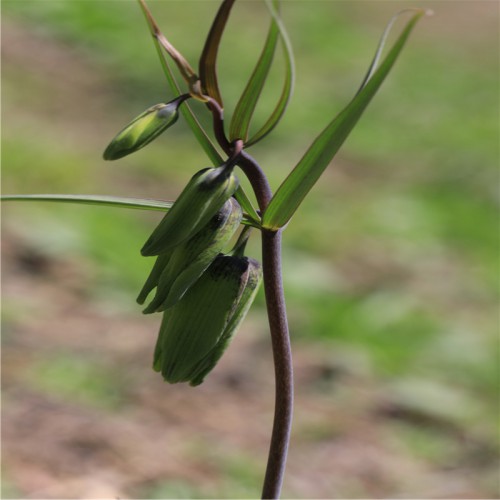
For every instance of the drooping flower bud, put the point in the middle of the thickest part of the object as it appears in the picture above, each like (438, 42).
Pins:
(204, 195)
(187, 261)
(143, 129)
(207, 364)
(195, 332)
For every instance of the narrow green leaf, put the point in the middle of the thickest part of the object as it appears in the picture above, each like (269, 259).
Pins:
(244, 110)
(246, 205)
(287, 91)
(188, 114)
(113, 201)
(185, 109)
(110, 201)
(299, 182)
(208, 59)
(381, 45)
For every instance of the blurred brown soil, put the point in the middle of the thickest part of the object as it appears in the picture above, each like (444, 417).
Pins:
(55, 446)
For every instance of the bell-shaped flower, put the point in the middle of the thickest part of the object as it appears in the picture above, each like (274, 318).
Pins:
(196, 331)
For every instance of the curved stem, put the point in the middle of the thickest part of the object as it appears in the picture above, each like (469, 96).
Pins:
(280, 338)
(250, 167)
(276, 310)
(283, 369)
(257, 178)
(218, 124)
(234, 153)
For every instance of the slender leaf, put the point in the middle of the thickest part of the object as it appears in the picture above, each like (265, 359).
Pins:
(109, 201)
(188, 114)
(295, 187)
(244, 110)
(184, 67)
(380, 47)
(288, 84)
(186, 111)
(246, 205)
(112, 201)
(208, 59)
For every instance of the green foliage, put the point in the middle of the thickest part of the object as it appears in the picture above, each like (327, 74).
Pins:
(245, 108)
(209, 189)
(309, 169)
(198, 131)
(112, 201)
(188, 212)
(287, 90)
(456, 207)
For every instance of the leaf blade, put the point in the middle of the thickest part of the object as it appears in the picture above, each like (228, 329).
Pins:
(300, 181)
(288, 84)
(109, 201)
(246, 205)
(115, 201)
(245, 108)
(186, 110)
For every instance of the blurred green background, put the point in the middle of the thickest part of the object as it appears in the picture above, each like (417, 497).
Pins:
(391, 265)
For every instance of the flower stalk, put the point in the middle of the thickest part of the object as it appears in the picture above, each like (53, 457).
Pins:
(276, 311)
(283, 368)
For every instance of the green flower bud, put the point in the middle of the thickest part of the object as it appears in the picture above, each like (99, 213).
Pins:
(143, 129)
(207, 364)
(154, 276)
(187, 261)
(195, 332)
(204, 195)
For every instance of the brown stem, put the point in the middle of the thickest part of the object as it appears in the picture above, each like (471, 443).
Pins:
(276, 311)
(283, 369)
(218, 124)
(280, 338)
(257, 178)
(250, 167)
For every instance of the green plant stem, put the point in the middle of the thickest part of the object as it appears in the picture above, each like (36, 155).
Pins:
(283, 369)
